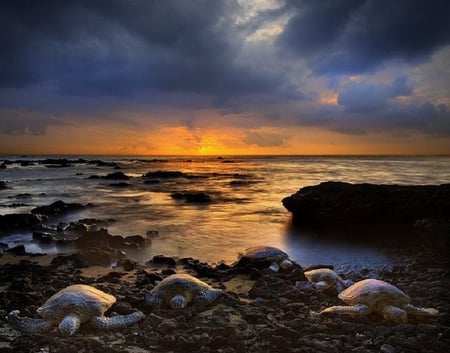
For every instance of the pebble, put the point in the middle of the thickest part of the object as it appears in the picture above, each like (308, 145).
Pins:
(387, 348)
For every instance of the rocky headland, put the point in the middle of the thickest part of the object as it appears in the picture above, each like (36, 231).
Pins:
(345, 206)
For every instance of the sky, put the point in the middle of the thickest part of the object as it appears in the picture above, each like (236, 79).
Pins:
(224, 77)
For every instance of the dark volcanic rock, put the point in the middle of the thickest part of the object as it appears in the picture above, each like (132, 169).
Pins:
(344, 205)
(192, 197)
(164, 174)
(18, 250)
(3, 185)
(102, 239)
(267, 313)
(116, 176)
(57, 208)
(19, 221)
(98, 239)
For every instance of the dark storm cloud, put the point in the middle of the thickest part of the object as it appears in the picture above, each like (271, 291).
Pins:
(394, 118)
(357, 36)
(117, 48)
(367, 98)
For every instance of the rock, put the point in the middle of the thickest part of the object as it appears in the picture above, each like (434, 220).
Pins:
(43, 237)
(3, 185)
(98, 239)
(166, 326)
(136, 241)
(57, 208)
(55, 162)
(164, 174)
(18, 250)
(96, 257)
(338, 205)
(19, 221)
(73, 260)
(127, 264)
(192, 197)
(116, 176)
(163, 260)
(387, 348)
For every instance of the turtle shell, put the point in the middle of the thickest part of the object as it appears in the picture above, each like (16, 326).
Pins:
(374, 293)
(264, 253)
(322, 274)
(80, 298)
(179, 284)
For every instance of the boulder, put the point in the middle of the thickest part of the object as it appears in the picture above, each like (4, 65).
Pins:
(370, 206)
(96, 239)
(19, 221)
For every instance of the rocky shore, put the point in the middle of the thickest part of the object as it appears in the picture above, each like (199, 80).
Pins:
(261, 311)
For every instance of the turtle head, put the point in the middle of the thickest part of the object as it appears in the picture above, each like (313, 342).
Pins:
(70, 324)
(286, 264)
(178, 302)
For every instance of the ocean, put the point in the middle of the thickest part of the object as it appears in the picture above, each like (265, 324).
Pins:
(245, 208)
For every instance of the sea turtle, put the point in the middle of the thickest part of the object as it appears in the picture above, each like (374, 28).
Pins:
(69, 308)
(266, 254)
(372, 295)
(178, 290)
(324, 278)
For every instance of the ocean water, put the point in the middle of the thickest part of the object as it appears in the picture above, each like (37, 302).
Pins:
(246, 208)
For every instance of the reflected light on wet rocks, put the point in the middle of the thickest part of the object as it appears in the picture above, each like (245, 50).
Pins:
(245, 208)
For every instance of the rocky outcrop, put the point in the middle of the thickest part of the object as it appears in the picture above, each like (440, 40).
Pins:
(57, 208)
(19, 221)
(371, 206)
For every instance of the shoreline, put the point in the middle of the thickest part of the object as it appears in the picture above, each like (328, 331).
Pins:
(262, 310)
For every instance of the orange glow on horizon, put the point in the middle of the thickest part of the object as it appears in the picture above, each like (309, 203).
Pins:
(180, 140)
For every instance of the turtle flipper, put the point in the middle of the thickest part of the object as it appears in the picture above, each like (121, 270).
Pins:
(394, 314)
(153, 299)
(27, 324)
(354, 311)
(321, 285)
(208, 296)
(70, 324)
(420, 312)
(117, 321)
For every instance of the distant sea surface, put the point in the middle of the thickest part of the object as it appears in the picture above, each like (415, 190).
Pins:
(246, 208)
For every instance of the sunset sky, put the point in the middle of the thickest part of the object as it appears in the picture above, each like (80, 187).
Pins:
(225, 77)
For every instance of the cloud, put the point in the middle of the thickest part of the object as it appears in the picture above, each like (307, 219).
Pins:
(362, 97)
(120, 48)
(353, 36)
(264, 139)
(146, 65)
(17, 122)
